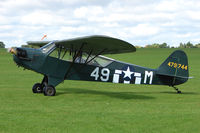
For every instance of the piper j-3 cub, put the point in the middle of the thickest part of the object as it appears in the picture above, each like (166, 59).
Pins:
(81, 59)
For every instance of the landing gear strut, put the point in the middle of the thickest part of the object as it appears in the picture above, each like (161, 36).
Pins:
(177, 90)
(48, 90)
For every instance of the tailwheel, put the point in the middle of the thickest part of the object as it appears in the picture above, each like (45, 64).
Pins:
(49, 90)
(37, 88)
(177, 90)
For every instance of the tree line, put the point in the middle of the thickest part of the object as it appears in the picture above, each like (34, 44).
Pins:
(2, 45)
(165, 45)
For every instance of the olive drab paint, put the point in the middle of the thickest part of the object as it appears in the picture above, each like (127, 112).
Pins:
(94, 67)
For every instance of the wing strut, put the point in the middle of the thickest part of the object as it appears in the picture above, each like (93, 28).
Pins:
(95, 56)
(64, 54)
(76, 54)
(86, 62)
(59, 52)
(88, 56)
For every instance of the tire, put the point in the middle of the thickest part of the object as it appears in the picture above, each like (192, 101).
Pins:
(37, 88)
(49, 90)
(178, 91)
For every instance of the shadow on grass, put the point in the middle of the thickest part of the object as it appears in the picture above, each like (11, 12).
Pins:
(182, 93)
(119, 95)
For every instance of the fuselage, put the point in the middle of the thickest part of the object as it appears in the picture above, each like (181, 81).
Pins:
(106, 70)
(80, 59)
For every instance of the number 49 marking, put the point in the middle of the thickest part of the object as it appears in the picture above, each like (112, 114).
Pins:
(104, 76)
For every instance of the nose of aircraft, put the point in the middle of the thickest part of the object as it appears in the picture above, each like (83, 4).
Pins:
(12, 51)
(18, 52)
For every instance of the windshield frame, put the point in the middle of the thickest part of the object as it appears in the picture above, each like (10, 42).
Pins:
(48, 48)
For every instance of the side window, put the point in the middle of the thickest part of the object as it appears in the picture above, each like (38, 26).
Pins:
(65, 55)
(54, 53)
(62, 54)
(102, 61)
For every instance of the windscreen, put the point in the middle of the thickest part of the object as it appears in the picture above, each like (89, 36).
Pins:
(48, 47)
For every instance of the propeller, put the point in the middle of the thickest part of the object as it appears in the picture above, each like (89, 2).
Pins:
(12, 50)
(21, 53)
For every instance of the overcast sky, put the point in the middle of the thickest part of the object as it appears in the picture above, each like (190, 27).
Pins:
(139, 22)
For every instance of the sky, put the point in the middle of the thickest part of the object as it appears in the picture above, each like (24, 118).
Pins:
(139, 22)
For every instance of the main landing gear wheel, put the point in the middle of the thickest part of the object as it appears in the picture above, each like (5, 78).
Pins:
(49, 90)
(37, 88)
(178, 91)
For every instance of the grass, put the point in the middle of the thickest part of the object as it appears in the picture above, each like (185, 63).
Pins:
(100, 107)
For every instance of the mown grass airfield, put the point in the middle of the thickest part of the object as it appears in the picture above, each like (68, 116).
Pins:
(100, 107)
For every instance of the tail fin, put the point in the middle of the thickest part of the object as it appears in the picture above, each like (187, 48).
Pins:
(174, 70)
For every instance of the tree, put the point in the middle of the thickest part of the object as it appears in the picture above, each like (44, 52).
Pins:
(2, 45)
(186, 45)
(157, 45)
(189, 45)
(164, 45)
(197, 45)
(138, 46)
(182, 45)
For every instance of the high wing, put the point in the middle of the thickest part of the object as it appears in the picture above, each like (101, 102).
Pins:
(96, 44)
(38, 43)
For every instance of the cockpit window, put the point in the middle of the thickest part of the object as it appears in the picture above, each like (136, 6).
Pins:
(101, 61)
(48, 47)
(80, 57)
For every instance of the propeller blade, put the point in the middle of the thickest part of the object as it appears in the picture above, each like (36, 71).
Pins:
(12, 51)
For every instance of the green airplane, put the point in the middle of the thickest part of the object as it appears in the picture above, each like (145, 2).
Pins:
(81, 59)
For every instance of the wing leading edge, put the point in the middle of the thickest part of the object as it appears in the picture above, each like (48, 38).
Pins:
(97, 44)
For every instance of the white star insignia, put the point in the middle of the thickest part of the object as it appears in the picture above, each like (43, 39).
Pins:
(127, 73)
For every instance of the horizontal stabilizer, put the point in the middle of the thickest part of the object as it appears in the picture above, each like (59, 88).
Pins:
(175, 76)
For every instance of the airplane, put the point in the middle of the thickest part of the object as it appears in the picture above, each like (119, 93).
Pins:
(82, 59)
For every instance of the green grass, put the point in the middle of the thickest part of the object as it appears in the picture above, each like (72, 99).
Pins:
(100, 107)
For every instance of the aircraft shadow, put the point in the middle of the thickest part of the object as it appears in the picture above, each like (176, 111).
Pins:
(182, 93)
(119, 95)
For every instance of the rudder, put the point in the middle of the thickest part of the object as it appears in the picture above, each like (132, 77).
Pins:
(175, 68)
